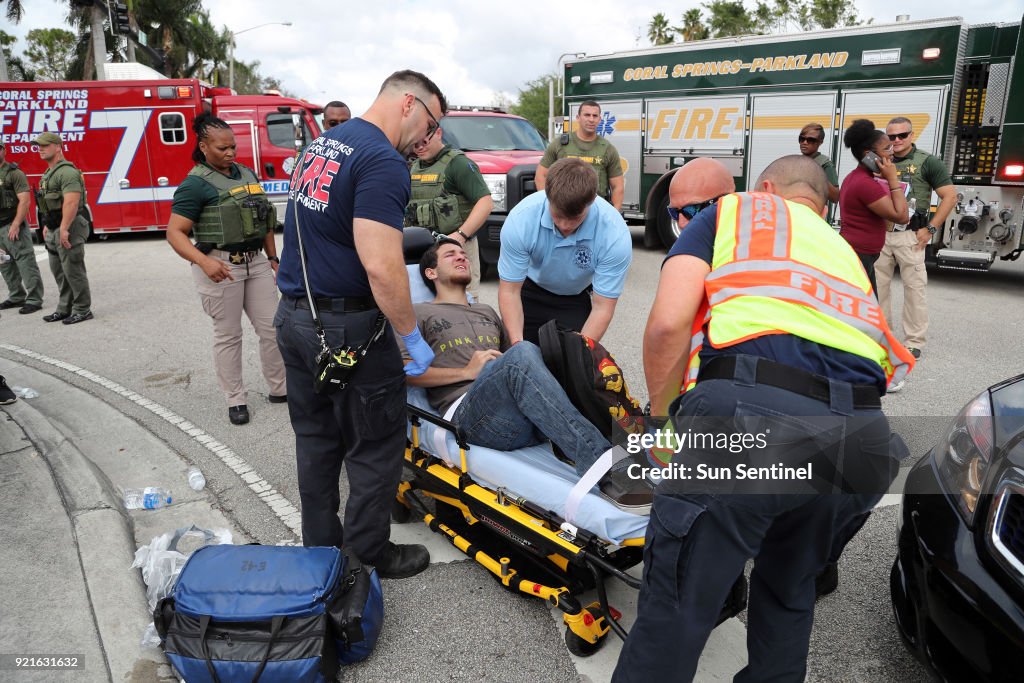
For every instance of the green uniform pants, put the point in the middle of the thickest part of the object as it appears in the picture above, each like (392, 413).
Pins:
(21, 273)
(68, 268)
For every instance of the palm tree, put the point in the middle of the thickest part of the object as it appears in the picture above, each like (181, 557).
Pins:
(658, 31)
(15, 10)
(173, 27)
(693, 27)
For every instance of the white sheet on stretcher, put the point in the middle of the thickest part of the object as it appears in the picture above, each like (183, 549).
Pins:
(533, 473)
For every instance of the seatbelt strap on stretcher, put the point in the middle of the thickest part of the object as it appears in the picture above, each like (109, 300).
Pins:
(589, 480)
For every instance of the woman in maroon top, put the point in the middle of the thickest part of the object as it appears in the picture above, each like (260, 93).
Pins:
(866, 207)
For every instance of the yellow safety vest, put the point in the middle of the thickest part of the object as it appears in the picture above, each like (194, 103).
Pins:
(778, 268)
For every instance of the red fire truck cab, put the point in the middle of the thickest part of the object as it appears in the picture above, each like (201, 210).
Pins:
(133, 139)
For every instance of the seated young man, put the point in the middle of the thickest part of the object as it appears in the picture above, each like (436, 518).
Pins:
(503, 397)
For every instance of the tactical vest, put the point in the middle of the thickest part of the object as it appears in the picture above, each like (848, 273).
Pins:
(920, 190)
(596, 156)
(429, 205)
(778, 269)
(51, 200)
(8, 197)
(241, 213)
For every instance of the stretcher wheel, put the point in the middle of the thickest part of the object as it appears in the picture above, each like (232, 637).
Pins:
(580, 647)
(400, 514)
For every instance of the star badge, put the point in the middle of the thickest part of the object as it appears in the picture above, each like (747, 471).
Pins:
(236, 258)
(912, 169)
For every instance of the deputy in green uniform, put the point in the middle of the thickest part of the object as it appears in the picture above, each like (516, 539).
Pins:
(449, 196)
(62, 204)
(811, 138)
(905, 244)
(587, 145)
(222, 203)
(21, 273)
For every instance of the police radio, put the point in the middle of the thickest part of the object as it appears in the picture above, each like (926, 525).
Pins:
(335, 367)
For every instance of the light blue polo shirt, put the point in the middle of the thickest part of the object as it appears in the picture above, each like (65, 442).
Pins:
(598, 253)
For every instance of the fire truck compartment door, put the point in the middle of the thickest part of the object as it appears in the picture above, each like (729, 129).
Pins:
(703, 126)
(247, 151)
(777, 122)
(621, 124)
(925, 107)
(129, 183)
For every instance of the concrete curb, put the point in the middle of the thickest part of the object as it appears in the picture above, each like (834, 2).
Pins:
(104, 540)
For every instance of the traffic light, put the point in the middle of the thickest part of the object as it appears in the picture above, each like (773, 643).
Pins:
(119, 18)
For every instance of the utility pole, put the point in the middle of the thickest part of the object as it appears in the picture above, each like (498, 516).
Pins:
(99, 42)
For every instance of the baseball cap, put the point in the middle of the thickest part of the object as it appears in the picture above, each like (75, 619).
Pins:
(48, 138)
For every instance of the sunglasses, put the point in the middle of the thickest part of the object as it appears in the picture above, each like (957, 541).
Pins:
(434, 124)
(900, 136)
(809, 139)
(690, 210)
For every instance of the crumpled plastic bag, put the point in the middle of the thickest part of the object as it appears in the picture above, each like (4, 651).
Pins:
(161, 562)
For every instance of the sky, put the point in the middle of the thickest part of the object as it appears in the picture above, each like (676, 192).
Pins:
(479, 53)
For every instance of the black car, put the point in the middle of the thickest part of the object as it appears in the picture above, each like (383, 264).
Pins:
(958, 581)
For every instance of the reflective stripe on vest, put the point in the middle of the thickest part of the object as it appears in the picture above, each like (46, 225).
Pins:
(779, 269)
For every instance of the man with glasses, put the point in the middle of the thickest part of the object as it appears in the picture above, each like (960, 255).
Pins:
(905, 244)
(811, 138)
(335, 114)
(695, 187)
(347, 204)
(592, 148)
(449, 197)
(565, 253)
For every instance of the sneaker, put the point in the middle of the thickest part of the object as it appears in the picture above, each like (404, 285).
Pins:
(9, 304)
(402, 561)
(827, 581)
(916, 353)
(55, 316)
(7, 397)
(78, 317)
(629, 494)
(895, 388)
(30, 308)
(239, 415)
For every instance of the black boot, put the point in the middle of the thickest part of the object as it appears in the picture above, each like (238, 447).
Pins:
(402, 561)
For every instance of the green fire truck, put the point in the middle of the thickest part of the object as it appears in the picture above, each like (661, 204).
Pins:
(744, 100)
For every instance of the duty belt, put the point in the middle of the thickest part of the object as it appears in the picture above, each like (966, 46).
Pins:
(865, 396)
(235, 258)
(348, 304)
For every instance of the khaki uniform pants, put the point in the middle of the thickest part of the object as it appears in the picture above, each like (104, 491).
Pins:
(68, 268)
(899, 250)
(254, 291)
(472, 249)
(21, 273)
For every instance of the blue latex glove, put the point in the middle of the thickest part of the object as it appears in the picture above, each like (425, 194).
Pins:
(421, 353)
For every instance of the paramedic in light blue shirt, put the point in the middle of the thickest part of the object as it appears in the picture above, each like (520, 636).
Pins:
(565, 254)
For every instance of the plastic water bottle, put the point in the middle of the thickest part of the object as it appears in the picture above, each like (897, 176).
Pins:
(25, 392)
(149, 498)
(196, 479)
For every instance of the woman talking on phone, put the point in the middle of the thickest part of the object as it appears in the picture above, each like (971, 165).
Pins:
(871, 197)
(234, 258)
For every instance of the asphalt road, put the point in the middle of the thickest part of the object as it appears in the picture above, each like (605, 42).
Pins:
(453, 622)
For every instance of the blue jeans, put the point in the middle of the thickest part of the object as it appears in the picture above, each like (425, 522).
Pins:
(516, 402)
(698, 543)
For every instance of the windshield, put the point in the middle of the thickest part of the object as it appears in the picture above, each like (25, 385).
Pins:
(491, 133)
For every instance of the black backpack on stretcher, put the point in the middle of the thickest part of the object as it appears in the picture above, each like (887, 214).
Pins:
(591, 378)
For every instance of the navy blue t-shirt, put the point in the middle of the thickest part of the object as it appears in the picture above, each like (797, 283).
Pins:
(698, 239)
(350, 171)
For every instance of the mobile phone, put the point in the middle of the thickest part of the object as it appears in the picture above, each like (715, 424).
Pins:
(870, 161)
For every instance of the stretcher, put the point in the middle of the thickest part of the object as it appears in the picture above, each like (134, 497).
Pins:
(506, 511)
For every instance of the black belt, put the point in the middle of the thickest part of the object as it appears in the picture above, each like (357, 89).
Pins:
(348, 304)
(791, 379)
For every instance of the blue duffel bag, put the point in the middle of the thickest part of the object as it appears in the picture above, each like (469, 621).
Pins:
(269, 614)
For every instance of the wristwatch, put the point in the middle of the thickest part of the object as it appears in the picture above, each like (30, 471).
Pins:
(932, 229)
(274, 259)
(462, 234)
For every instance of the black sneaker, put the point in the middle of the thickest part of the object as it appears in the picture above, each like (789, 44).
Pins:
(7, 397)
(4, 305)
(55, 316)
(916, 353)
(630, 494)
(402, 561)
(239, 415)
(78, 317)
(30, 308)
